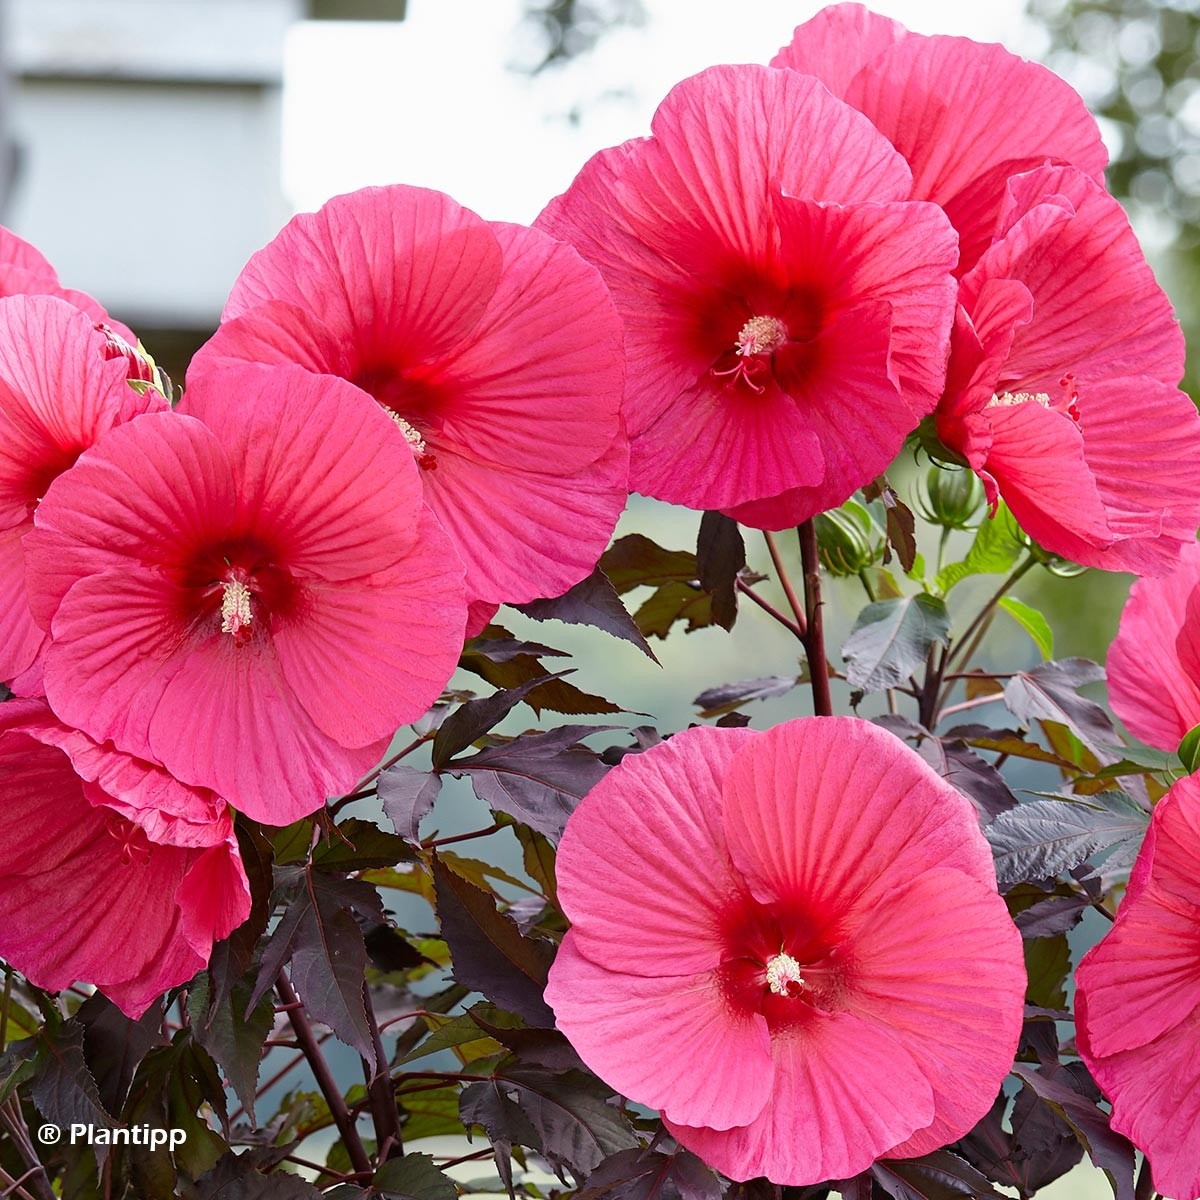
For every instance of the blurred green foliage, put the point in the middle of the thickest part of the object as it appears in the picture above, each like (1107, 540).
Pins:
(1137, 63)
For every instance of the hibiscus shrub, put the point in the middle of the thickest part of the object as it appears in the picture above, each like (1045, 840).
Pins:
(832, 954)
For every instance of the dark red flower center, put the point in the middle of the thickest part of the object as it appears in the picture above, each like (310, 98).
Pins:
(785, 961)
(409, 401)
(241, 587)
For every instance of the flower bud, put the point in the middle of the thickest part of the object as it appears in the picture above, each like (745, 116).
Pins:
(847, 540)
(952, 497)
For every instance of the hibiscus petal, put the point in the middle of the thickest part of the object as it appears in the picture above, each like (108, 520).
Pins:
(1038, 460)
(540, 378)
(939, 963)
(824, 1119)
(155, 485)
(628, 1028)
(1127, 326)
(74, 906)
(1149, 687)
(369, 655)
(947, 104)
(1155, 1094)
(675, 897)
(828, 843)
(443, 264)
(1151, 498)
(358, 513)
(543, 532)
(837, 43)
(21, 638)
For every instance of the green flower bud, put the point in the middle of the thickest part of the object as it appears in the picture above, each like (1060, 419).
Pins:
(847, 540)
(953, 498)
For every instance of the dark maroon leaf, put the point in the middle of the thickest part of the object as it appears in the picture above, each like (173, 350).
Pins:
(389, 951)
(565, 1115)
(642, 1174)
(976, 778)
(901, 533)
(62, 1087)
(720, 555)
(407, 795)
(507, 663)
(594, 601)
(357, 845)
(234, 1178)
(532, 1047)
(231, 1032)
(489, 952)
(728, 696)
(1041, 838)
(937, 1176)
(113, 1045)
(1111, 1152)
(1050, 692)
(1044, 1145)
(634, 560)
(644, 736)
(231, 958)
(474, 718)
(537, 778)
(1055, 914)
(319, 935)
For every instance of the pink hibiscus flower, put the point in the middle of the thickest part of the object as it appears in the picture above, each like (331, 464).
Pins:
(1137, 1002)
(255, 599)
(950, 106)
(111, 872)
(785, 307)
(1154, 662)
(60, 390)
(495, 350)
(812, 913)
(1065, 354)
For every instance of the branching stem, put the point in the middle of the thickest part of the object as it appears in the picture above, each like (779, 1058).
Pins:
(814, 625)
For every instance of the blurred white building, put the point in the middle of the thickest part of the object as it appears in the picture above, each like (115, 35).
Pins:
(147, 145)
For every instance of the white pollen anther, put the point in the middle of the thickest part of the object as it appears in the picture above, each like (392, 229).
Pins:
(783, 970)
(235, 607)
(411, 436)
(1009, 399)
(761, 335)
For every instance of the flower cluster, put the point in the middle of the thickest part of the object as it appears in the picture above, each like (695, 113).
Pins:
(218, 611)
(237, 602)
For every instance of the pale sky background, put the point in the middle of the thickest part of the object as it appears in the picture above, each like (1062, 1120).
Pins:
(431, 101)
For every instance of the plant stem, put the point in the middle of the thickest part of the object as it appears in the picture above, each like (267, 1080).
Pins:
(382, 1095)
(964, 650)
(12, 1120)
(768, 607)
(463, 837)
(814, 626)
(324, 1077)
(363, 789)
(785, 582)
(978, 702)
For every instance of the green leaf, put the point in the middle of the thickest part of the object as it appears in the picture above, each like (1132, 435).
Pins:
(997, 546)
(676, 601)
(430, 1113)
(890, 640)
(1032, 622)
(413, 1177)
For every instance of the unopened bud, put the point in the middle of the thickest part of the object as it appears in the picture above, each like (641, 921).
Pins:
(847, 540)
(952, 498)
